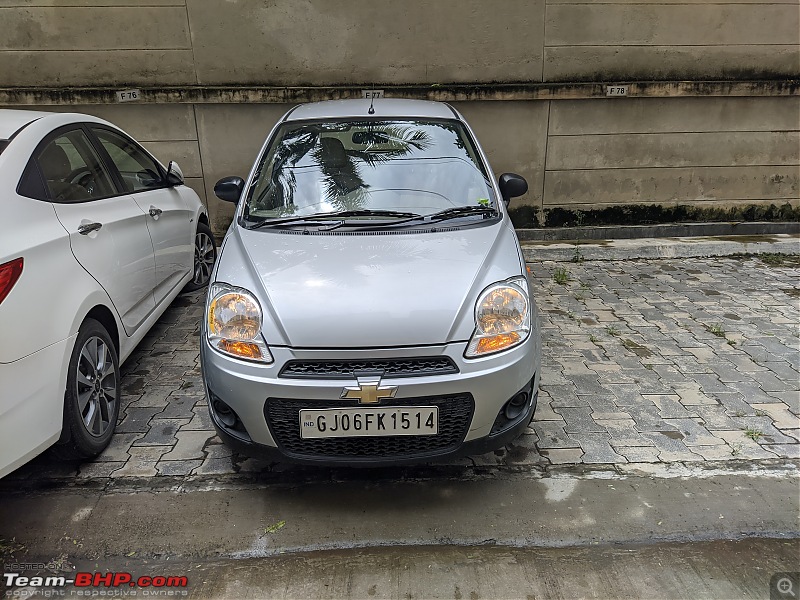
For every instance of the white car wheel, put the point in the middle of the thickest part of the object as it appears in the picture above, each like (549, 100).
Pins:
(91, 401)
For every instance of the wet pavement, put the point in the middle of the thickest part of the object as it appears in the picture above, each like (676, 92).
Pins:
(662, 462)
(646, 363)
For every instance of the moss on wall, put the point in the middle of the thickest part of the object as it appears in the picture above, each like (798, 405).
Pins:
(646, 214)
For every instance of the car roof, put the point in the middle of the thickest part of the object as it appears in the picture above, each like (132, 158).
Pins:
(383, 107)
(12, 120)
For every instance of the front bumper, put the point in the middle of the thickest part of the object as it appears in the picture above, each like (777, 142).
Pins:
(481, 387)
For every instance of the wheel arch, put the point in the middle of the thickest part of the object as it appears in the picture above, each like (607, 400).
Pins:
(105, 317)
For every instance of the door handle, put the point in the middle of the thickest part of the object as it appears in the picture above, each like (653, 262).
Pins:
(154, 212)
(88, 228)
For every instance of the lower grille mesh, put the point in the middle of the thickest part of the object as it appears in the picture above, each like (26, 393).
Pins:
(455, 415)
(392, 367)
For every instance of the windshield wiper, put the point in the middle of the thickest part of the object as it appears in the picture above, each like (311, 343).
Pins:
(336, 215)
(450, 213)
(369, 212)
(460, 211)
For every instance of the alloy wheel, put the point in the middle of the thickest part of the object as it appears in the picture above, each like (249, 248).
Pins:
(96, 386)
(203, 258)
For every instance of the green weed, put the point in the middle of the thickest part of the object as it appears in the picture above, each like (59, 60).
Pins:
(561, 276)
(753, 434)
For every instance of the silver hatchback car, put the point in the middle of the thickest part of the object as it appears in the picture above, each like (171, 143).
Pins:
(370, 304)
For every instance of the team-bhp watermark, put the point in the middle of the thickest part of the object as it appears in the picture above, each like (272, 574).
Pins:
(112, 584)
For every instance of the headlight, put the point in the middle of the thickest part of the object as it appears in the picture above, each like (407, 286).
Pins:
(502, 318)
(233, 324)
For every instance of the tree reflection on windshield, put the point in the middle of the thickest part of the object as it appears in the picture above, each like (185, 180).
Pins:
(316, 168)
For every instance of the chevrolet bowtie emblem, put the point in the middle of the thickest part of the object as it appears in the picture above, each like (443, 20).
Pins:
(369, 390)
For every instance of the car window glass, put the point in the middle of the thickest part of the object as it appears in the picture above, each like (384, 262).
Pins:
(3, 144)
(416, 165)
(31, 184)
(139, 171)
(72, 169)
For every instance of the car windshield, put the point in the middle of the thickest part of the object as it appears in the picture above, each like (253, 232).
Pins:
(406, 166)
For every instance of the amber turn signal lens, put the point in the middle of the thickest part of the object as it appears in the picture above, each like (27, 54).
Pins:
(243, 349)
(496, 342)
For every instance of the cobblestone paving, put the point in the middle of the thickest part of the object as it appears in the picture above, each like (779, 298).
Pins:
(651, 361)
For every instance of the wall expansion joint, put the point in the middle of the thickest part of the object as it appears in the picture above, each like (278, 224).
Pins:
(244, 94)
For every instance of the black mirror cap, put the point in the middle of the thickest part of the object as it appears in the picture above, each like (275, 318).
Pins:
(174, 174)
(512, 185)
(229, 189)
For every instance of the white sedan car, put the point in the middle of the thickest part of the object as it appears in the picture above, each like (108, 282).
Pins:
(96, 239)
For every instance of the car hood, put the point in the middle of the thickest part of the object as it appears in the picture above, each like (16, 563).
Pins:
(382, 289)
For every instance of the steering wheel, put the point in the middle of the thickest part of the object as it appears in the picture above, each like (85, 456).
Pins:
(83, 177)
(80, 176)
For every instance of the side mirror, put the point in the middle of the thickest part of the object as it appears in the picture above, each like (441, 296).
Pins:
(229, 189)
(512, 185)
(174, 174)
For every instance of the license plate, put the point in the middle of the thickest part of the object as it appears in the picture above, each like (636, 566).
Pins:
(366, 422)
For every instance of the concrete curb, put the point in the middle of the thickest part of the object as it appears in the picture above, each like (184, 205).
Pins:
(651, 248)
(673, 230)
(515, 511)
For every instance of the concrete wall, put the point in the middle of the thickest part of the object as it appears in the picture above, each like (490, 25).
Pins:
(731, 138)
(326, 42)
(575, 154)
(671, 39)
(703, 151)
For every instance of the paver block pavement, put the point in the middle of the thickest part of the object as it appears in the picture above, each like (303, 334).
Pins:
(718, 452)
(142, 462)
(179, 407)
(715, 418)
(218, 450)
(551, 434)
(671, 448)
(630, 373)
(214, 466)
(201, 420)
(784, 450)
(117, 449)
(623, 432)
(563, 456)
(763, 430)
(137, 420)
(744, 447)
(189, 446)
(693, 433)
(579, 421)
(669, 406)
(782, 417)
(153, 397)
(597, 449)
(637, 454)
(177, 467)
(161, 432)
(98, 470)
(689, 394)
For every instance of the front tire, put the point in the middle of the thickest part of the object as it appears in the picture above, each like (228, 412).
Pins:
(205, 254)
(92, 397)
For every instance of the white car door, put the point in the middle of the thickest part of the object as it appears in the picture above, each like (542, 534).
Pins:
(107, 229)
(169, 218)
